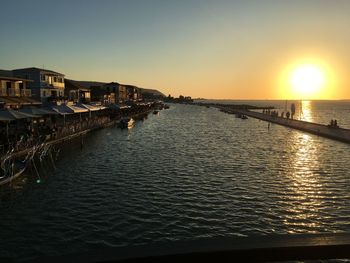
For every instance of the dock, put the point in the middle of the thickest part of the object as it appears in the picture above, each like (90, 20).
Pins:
(335, 133)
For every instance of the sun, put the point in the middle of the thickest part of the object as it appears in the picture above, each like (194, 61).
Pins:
(307, 80)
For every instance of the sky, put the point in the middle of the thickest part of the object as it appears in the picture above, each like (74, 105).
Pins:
(210, 49)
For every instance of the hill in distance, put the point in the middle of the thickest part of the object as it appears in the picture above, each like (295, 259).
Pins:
(88, 84)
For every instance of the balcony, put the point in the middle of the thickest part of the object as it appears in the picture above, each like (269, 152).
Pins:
(26, 93)
(3, 93)
(13, 92)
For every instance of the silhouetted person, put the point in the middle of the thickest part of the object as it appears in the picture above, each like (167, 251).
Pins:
(288, 114)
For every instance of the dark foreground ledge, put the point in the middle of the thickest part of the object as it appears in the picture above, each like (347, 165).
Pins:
(241, 249)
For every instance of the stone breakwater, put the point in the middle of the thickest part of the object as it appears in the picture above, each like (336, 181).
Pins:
(335, 133)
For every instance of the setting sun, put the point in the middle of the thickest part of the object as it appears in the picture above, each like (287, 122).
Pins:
(307, 80)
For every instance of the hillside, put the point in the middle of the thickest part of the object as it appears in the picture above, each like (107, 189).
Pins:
(144, 91)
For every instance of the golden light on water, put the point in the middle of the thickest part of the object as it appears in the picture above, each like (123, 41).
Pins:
(305, 188)
(306, 111)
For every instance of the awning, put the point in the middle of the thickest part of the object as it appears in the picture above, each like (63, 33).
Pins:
(78, 109)
(38, 111)
(62, 109)
(91, 107)
(12, 115)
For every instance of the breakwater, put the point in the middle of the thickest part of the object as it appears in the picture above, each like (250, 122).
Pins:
(331, 132)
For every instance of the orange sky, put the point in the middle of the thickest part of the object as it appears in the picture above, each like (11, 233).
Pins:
(212, 49)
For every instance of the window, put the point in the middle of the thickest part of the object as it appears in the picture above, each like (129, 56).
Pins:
(21, 85)
(42, 77)
(54, 79)
(44, 93)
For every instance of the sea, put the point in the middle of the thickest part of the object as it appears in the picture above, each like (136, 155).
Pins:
(186, 173)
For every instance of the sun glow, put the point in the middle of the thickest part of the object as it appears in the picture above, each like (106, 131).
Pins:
(307, 80)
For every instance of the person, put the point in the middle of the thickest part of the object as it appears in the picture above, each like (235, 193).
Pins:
(287, 114)
(335, 124)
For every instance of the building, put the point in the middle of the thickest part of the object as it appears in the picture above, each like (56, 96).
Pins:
(76, 92)
(14, 92)
(119, 90)
(109, 93)
(133, 93)
(47, 85)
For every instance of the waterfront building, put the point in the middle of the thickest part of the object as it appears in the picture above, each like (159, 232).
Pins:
(14, 92)
(109, 93)
(102, 95)
(76, 92)
(133, 93)
(119, 90)
(46, 85)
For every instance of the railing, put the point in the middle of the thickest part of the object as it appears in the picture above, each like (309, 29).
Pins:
(14, 92)
(26, 93)
(241, 249)
(3, 92)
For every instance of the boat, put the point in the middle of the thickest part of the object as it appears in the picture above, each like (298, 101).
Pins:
(155, 112)
(244, 117)
(126, 122)
(166, 106)
(14, 170)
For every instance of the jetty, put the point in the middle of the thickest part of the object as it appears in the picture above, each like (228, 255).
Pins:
(331, 132)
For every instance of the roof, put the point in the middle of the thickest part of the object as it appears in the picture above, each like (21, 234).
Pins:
(112, 84)
(41, 69)
(15, 79)
(73, 85)
(19, 101)
(11, 115)
(6, 73)
(38, 111)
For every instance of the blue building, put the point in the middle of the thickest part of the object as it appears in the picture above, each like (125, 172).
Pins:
(46, 85)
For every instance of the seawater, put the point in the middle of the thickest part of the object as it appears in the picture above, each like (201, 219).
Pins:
(187, 173)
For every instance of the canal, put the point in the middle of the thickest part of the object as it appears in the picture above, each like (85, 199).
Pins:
(187, 173)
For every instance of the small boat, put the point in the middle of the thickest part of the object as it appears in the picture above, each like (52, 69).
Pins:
(15, 170)
(166, 106)
(126, 122)
(155, 112)
(244, 117)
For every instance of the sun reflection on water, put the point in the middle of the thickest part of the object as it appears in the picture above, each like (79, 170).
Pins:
(304, 191)
(305, 108)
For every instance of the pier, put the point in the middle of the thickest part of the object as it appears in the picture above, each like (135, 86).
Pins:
(335, 133)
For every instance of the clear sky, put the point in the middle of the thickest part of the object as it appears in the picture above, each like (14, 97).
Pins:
(211, 49)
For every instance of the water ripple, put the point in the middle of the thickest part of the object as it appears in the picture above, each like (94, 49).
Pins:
(186, 173)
